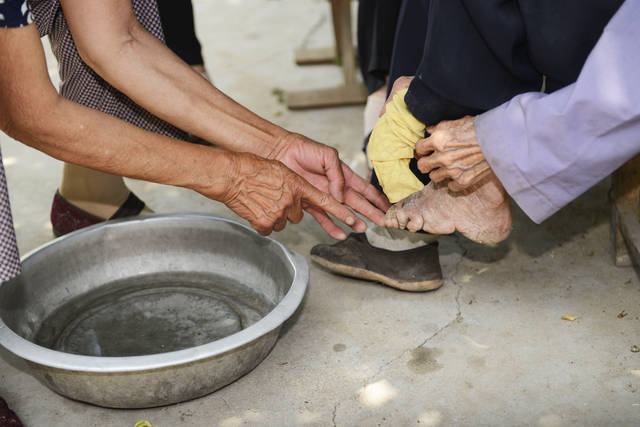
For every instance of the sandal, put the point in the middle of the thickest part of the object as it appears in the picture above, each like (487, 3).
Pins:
(8, 418)
(66, 217)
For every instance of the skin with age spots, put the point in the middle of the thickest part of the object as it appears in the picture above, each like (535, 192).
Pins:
(452, 152)
(269, 194)
(464, 195)
(481, 212)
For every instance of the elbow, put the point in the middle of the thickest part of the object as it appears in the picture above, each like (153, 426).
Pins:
(103, 53)
(29, 123)
(15, 125)
(97, 58)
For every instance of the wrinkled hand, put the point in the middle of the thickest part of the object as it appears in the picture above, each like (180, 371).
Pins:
(268, 194)
(452, 152)
(399, 84)
(321, 166)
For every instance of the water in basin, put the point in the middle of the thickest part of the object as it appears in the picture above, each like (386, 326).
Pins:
(152, 314)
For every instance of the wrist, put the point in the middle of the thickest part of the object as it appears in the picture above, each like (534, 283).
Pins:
(281, 144)
(216, 174)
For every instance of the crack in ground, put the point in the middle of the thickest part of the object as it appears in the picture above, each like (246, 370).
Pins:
(457, 319)
(335, 412)
(226, 403)
(459, 316)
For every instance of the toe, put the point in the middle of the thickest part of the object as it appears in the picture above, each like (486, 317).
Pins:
(415, 223)
(390, 219)
(402, 217)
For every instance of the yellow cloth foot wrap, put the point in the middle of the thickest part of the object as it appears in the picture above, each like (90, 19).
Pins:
(391, 148)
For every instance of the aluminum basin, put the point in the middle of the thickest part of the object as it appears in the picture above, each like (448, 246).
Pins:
(150, 311)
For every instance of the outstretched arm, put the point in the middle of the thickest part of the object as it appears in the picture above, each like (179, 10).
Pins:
(112, 42)
(264, 192)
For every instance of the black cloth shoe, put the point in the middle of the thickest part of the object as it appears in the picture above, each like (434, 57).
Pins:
(415, 270)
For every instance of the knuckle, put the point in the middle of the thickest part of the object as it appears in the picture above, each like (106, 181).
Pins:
(465, 179)
(437, 140)
(323, 201)
(435, 176)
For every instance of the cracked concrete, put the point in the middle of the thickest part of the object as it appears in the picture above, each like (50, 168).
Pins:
(488, 348)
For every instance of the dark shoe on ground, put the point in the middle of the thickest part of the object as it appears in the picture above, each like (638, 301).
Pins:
(415, 270)
(8, 418)
(66, 217)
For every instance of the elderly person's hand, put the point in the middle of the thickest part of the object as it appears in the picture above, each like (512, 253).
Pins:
(452, 152)
(268, 194)
(321, 166)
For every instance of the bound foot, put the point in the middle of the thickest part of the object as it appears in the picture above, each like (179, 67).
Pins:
(481, 212)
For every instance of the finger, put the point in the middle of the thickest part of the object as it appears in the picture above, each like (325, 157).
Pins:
(326, 223)
(296, 213)
(475, 174)
(280, 224)
(471, 177)
(443, 140)
(440, 174)
(422, 148)
(465, 157)
(262, 228)
(463, 124)
(332, 167)
(358, 203)
(366, 189)
(314, 197)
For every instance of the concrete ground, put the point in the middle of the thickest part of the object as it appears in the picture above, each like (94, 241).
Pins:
(488, 348)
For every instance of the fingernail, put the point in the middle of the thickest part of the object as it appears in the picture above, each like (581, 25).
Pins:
(350, 220)
(341, 236)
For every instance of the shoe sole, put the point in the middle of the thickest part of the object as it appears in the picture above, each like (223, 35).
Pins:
(360, 273)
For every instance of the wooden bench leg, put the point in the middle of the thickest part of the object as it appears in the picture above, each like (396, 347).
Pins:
(351, 92)
(619, 251)
(625, 226)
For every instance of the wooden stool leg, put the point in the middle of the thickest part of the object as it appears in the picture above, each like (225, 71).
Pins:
(344, 41)
(351, 92)
(619, 251)
(626, 212)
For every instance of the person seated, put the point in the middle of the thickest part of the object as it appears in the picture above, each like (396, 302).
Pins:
(481, 213)
(544, 149)
(455, 59)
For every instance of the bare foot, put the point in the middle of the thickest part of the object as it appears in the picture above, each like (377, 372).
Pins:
(481, 212)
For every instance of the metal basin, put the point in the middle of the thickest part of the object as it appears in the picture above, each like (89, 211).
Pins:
(150, 311)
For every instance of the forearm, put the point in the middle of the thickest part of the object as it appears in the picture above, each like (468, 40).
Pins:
(140, 66)
(32, 112)
(548, 149)
(83, 136)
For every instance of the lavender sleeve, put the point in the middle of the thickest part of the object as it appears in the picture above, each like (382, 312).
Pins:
(548, 149)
